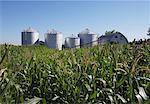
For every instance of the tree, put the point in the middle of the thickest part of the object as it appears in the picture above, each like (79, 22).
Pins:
(110, 32)
(148, 32)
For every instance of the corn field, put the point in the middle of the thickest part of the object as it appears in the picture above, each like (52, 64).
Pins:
(106, 74)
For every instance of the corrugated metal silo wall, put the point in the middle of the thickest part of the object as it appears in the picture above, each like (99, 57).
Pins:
(88, 40)
(54, 41)
(29, 38)
(72, 42)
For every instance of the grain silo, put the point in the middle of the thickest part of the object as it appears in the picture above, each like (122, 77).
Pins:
(87, 38)
(53, 39)
(72, 42)
(29, 36)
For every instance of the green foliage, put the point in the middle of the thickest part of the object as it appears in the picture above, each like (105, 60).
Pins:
(102, 74)
(110, 32)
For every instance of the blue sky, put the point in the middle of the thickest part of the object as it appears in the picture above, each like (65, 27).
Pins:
(132, 18)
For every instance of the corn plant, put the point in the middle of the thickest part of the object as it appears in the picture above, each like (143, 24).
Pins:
(106, 74)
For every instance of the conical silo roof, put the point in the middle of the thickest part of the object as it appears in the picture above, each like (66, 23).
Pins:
(53, 31)
(73, 36)
(87, 31)
(29, 30)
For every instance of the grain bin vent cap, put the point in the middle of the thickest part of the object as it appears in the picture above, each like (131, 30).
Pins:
(30, 30)
(87, 31)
